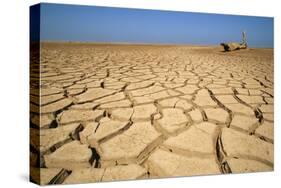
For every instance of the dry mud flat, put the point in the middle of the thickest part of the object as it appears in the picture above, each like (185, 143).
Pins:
(118, 112)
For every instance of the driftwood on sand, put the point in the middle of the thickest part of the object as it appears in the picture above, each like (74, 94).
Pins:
(231, 46)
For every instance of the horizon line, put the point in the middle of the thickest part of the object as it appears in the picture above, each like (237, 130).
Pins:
(142, 43)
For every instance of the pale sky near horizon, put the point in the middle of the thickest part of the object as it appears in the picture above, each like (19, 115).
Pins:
(103, 24)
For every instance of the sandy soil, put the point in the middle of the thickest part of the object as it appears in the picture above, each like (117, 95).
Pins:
(118, 112)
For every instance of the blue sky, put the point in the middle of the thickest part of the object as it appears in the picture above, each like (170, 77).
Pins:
(104, 24)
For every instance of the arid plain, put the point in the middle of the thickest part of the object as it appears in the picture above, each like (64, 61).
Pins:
(119, 112)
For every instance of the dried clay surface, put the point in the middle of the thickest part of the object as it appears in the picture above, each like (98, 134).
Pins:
(119, 112)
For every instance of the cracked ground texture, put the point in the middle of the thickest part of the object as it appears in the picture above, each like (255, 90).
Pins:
(118, 112)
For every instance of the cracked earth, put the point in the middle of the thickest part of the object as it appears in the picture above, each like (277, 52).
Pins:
(119, 112)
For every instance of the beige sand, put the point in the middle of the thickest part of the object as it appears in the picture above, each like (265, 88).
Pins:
(117, 112)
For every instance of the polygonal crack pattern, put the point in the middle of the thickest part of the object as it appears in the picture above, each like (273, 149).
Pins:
(120, 112)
